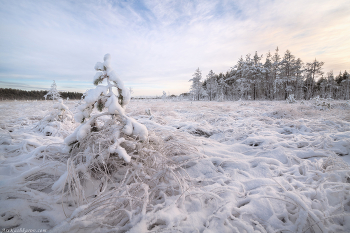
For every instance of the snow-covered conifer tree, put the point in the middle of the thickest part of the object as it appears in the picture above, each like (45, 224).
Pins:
(331, 84)
(211, 85)
(131, 91)
(109, 149)
(53, 123)
(164, 96)
(221, 89)
(346, 83)
(288, 68)
(53, 93)
(291, 99)
(299, 82)
(103, 97)
(197, 89)
(313, 69)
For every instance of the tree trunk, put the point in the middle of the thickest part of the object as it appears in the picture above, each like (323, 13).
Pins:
(254, 91)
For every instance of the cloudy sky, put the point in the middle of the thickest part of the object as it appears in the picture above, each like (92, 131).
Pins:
(157, 45)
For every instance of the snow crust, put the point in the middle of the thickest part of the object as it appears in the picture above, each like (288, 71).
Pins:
(259, 167)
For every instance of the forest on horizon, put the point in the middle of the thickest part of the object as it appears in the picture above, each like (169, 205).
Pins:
(273, 79)
(16, 94)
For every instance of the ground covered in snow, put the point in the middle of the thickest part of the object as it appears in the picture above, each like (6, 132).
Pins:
(244, 166)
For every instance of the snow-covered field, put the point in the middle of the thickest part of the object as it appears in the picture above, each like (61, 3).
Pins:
(244, 166)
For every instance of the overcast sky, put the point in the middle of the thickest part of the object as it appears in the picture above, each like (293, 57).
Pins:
(158, 45)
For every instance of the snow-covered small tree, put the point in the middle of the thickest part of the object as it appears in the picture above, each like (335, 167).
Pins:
(291, 99)
(119, 123)
(104, 141)
(53, 93)
(164, 96)
(131, 91)
(111, 153)
(52, 123)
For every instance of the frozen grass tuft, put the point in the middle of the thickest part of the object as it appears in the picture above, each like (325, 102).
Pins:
(126, 191)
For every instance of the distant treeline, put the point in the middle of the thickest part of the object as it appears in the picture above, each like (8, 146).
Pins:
(275, 78)
(15, 94)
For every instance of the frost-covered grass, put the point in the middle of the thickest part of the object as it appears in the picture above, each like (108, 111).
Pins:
(240, 166)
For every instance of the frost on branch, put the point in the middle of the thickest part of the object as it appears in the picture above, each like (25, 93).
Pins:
(103, 98)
